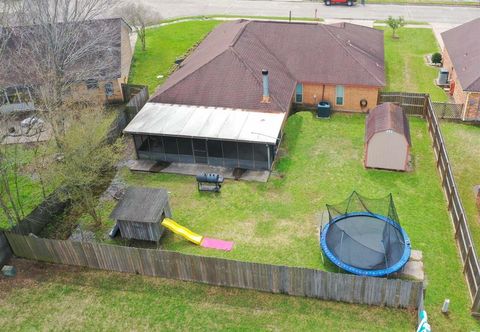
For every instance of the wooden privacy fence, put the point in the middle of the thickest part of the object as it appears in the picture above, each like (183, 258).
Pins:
(5, 252)
(222, 272)
(137, 96)
(471, 268)
(412, 103)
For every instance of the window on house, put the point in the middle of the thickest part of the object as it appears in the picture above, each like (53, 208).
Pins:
(109, 89)
(92, 84)
(340, 95)
(299, 93)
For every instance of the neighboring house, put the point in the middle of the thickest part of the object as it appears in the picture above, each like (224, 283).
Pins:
(18, 83)
(461, 57)
(227, 103)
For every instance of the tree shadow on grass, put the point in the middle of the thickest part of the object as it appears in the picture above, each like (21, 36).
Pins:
(288, 146)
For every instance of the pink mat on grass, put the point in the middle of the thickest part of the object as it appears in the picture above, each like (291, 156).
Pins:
(216, 244)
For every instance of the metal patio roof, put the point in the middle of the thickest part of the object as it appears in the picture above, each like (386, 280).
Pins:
(207, 122)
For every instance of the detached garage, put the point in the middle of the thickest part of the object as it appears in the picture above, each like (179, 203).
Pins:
(387, 138)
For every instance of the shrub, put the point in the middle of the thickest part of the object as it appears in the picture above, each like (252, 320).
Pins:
(436, 58)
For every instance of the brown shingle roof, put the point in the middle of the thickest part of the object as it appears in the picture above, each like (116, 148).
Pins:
(387, 116)
(225, 70)
(463, 46)
(141, 205)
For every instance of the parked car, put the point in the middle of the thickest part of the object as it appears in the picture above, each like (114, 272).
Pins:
(31, 121)
(334, 2)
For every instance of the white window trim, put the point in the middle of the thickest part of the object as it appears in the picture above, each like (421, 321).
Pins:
(336, 96)
(295, 97)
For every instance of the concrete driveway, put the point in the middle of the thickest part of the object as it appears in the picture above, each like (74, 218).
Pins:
(431, 14)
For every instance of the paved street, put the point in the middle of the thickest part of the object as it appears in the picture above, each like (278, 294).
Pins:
(432, 14)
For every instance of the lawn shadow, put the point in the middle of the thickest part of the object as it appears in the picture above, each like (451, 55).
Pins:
(289, 144)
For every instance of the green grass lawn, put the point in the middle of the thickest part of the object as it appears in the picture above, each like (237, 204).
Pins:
(463, 146)
(277, 222)
(405, 66)
(164, 45)
(58, 298)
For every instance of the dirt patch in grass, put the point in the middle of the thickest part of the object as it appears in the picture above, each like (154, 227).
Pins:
(31, 274)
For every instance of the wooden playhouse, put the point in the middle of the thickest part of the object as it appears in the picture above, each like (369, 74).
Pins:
(140, 212)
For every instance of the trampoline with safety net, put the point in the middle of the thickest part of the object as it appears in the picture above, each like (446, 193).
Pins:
(364, 236)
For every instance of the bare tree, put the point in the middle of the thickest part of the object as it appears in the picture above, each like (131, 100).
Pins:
(59, 46)
(139, 17)
(6, 13)
(51, 45)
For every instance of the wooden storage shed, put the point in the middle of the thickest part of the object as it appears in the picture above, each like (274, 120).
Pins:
(387, 138)
(140, 212)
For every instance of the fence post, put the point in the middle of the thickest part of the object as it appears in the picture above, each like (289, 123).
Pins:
(457, 225)
(425, 105)
(450, 200)
(440, 154)
(476, 304)
(467, 257)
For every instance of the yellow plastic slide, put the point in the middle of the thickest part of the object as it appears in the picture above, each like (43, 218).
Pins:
(182, 231)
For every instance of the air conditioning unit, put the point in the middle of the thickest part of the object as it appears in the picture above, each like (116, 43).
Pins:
(443, 77)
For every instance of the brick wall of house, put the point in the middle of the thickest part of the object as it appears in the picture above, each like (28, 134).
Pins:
(127, 53)
(98, 94)
(312, 95)
(447, 63)
(459, 95)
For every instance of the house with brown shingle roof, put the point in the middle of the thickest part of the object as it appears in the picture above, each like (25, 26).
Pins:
(461, 57)
(231, 96)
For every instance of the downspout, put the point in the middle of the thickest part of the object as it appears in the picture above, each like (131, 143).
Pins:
(323, 93)
(269, 158)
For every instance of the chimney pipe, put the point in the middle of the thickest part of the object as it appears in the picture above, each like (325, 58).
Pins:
(266, 88)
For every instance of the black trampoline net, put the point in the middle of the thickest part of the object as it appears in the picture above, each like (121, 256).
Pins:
(365, 241)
